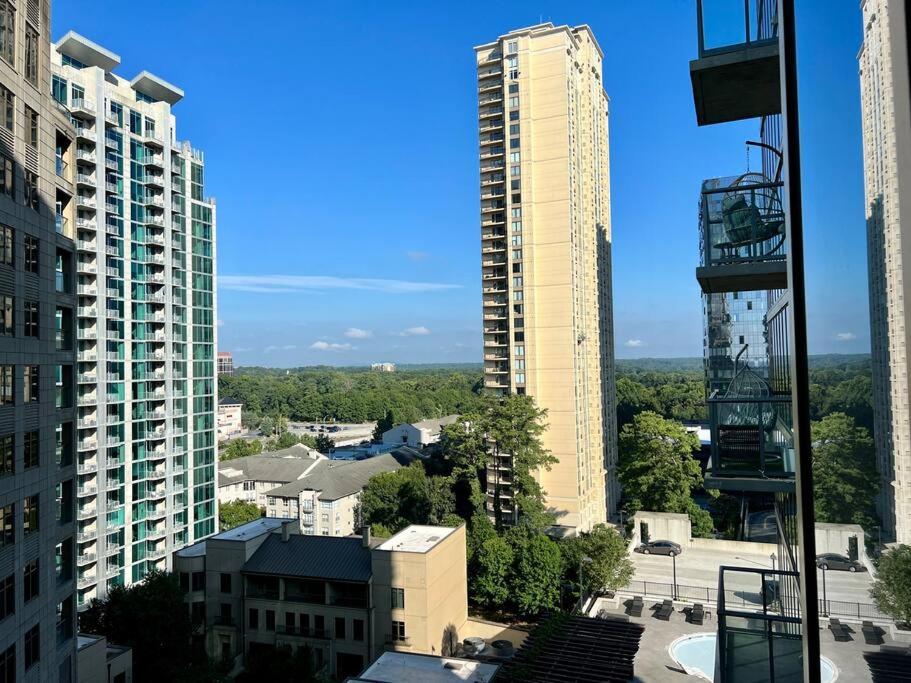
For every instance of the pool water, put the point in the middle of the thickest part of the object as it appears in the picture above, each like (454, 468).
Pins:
(696, 655)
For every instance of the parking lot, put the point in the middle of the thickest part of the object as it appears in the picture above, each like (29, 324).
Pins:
(347, 434)
(699, 567)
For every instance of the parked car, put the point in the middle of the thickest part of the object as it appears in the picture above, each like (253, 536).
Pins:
(839, 563)
(660, 548)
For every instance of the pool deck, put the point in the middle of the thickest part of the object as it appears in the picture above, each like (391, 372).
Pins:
(653, 663)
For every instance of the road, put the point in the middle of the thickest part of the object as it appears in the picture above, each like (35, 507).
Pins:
(699, 567)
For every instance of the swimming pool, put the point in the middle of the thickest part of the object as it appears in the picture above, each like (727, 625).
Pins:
(695, 654)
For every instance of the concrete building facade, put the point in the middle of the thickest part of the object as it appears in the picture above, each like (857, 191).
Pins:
(418, 434)
(545, 255)
(146, 332)
(37, 358)
(260, 586)
(230, 422)
(886, 128)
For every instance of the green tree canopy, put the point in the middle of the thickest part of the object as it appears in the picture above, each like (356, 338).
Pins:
(538, 571)
(239, 448)
(282, 441)
(610, 567)
(657, 469)
(323, 443)
(152, 618)
(237, 512)
(845, 480)
(491, 585)
(633, 398)
(407, 496)
(383, 425)
(891, 590)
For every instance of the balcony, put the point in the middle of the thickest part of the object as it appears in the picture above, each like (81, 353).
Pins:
(742, 235)
(752, 438)
(759, 639)
(737, 73)
(79, 105)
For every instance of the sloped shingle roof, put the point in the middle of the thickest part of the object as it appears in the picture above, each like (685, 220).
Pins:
(335, 558)
(339, 478)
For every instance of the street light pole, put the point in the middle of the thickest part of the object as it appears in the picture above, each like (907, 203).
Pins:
(674, 562)
(825, 602)
(773, 558)
(582, 560)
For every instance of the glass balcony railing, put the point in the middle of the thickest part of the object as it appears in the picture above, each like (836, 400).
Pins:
(752, 437)
(759, 628)
(742, 220)
(728, 25)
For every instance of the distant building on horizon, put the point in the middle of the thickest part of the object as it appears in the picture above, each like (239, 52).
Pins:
(885, 123)
(545, 257)
(383, 367)
(225, 363)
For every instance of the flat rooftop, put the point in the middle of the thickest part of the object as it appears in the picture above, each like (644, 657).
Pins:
(251, 529)
(401, 667)
(416, 538)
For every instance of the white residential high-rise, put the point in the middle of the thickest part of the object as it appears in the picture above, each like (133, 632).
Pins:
(545, 257)
(886, 122)
(145, 267)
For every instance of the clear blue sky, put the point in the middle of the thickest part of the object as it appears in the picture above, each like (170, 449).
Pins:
(341, 145)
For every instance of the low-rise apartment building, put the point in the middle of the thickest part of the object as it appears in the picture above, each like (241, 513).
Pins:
(326, 500)
(418, 434)
(250, 478)
(259, 587)
(230, 418)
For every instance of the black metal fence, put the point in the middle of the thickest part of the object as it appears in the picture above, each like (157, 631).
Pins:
(744, 598)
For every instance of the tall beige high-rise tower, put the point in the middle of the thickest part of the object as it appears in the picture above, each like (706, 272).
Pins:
(886, 121)
(545, 251)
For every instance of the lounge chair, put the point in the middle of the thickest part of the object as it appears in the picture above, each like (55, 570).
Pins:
(697, 614)
(872, 633)
(634, 608)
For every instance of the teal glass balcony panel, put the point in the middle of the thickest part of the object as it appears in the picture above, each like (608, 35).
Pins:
(737, 73)
(759, 630)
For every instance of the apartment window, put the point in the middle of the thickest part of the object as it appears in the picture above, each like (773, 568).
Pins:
(30, 580)
(357, 631)
(30, 515)
(319, 623)
(253, 619)
(224, 611)
(31, 318)
(7, 522)
(514, 101)
(6, 316)
(398, 598)
(513, 88)
(6, 245)
(514, 129)
(7, 176)
(199, 581)
(340, 628)
(519, 336)
(7, 597)
(515, 171)
(289, 622)
(8, 664)
(512, 61)
(9, 108)
(517, 296)
(398, 631)
(7, 33)
(31, 190)
(270, 620)
(184, 582)
(58, 89)
(513, 47)
(519, 350)
(305, 622)
(7, 454)
(6, 385)
(516, 240)
(514, 115)
(225, 583)
(31, 117)
(517, 282)
(31, 254)
(31, 55)
(520, 378)
(31, 382)
(30, 449)
(32, 646)
(515, 157)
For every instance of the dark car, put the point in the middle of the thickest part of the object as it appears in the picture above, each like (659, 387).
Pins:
(839, 563)
(660, 548)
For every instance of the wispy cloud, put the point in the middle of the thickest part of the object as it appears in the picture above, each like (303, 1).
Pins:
(241, 349)
(418, 331)
(283, 284)
(417, 255)
(285, 347)
(634, 343)
(845, 336)
(329, 346)
(358, 333)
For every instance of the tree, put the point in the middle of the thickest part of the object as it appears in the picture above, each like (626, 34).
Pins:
(406, 496)
(853, 397)
(323, 443)
(383, 425)
(279, 665)
(844, 472)
(610, 567)
(239, 448)
(657, 470)
(538, 571)
(282, 441)
(891, 589)
(494, 561)
(633, 398)
(152, 618)
(237, 512)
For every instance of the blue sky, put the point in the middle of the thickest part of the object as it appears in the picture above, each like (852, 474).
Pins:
(341, 145)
